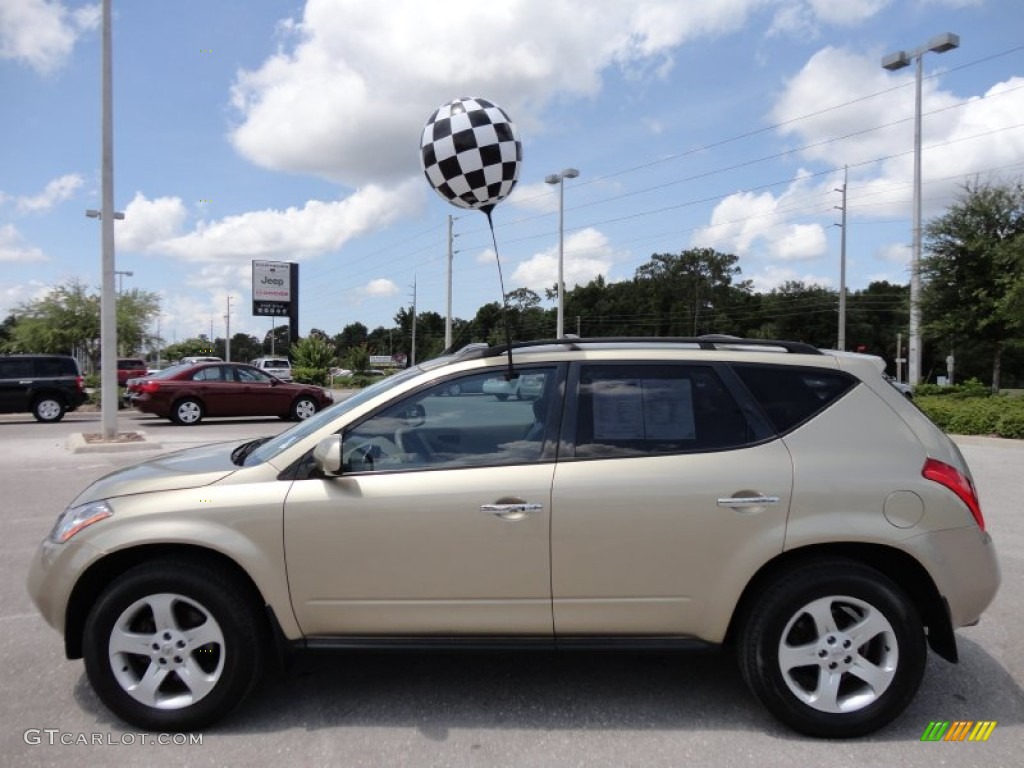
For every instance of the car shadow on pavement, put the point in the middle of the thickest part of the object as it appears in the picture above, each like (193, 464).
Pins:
(439, 692)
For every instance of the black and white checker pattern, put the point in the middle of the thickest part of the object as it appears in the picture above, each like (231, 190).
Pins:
(471, 153)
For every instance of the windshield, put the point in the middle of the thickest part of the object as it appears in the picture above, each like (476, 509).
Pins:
(303, 429)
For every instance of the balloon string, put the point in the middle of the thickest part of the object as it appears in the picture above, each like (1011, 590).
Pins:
(504, 300)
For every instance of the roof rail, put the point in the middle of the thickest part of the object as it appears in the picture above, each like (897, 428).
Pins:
(709, 342)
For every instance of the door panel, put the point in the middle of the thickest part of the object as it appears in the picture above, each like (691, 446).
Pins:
(393, 553)
(642, 545)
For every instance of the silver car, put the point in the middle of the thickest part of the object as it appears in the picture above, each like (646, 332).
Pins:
(769, 498)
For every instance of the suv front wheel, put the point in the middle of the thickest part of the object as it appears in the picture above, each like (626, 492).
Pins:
(173, 646)
(833, 649)
(48, 408)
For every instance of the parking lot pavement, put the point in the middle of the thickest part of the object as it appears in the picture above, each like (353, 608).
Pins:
(500, 709)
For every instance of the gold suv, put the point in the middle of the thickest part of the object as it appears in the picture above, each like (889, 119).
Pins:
(779, 500)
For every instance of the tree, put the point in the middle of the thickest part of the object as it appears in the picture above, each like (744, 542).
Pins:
(972, 270)
(67, 321)
(351, 336)
(282, 341)
(197, 346)
(688, 292)
(245, 347)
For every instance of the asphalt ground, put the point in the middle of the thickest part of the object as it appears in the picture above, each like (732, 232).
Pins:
(495, 709)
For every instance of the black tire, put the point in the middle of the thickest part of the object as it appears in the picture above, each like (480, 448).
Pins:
(188, 412)
(502, 397)
(846, 621)
(48, 409)
(303, 407)
(196, 603)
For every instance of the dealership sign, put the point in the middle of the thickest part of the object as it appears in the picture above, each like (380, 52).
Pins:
(271, 288)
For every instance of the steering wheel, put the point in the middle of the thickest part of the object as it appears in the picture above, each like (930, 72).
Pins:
(373, 452)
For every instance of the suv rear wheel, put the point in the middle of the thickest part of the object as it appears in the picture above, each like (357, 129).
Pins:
(833, 649)
(173, 646)
(48, 408)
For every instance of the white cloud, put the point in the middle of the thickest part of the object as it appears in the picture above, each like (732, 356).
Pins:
(335, 100)
(13, 249)
(847, 12)
(773, 276)
(294, 233)
(41, 33)
(14, 294)
(55, 192)
(540, 197)
(380, 288)
(958, 145)
(148, 222)
(586, 254)
(833, 76)
(804, 19)
(798, 242)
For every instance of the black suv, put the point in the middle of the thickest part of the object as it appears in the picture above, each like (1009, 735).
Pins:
(46, 385)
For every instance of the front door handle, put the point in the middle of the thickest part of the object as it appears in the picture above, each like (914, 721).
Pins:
(511, 511)
(740, 502)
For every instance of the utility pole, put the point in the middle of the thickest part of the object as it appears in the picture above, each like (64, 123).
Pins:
(227, 332)
(900, 359)
(448, 315)
(841, 345)
(412, 360)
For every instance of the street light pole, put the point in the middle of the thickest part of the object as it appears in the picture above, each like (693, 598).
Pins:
(108, 316)
(121, 274)
(892, 62)
(559, 179)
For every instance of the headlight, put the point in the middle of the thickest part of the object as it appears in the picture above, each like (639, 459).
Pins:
(72, 520)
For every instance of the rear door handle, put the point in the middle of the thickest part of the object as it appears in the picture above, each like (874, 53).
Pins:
(739, 502)
(512, 511)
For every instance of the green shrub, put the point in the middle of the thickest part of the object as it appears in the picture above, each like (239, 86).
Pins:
(312, 352)
(969, 388)
(1002, 416)
(96, 396)
(307, 375)
(1011, 425)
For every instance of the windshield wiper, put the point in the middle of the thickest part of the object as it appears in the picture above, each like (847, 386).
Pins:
(238, 455)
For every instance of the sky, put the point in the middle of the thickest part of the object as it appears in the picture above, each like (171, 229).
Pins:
(289, 131)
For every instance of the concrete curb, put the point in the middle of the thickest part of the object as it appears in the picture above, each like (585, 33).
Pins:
(78, 443)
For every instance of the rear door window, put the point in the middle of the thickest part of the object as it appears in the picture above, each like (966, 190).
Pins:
(643, 410)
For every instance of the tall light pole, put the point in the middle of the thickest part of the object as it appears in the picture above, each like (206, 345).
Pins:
(559, 179)
(121, 274)
(947, 41)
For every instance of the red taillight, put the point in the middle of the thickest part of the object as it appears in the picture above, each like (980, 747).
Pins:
(149, 386)
(958, 483)
(80, 383)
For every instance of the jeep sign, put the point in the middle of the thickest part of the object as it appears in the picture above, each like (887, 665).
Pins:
(271, 288)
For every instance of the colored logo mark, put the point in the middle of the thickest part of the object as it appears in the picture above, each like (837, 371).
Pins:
(959, 730)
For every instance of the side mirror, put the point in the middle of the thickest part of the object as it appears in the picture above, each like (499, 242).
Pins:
(327, 456)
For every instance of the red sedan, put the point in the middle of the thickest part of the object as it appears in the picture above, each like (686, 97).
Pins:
(188, 393)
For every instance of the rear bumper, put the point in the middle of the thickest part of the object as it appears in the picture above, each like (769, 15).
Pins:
(963, 564)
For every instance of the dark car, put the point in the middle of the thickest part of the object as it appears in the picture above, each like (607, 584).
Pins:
(188, 393)
(130, 368)
(46, 385)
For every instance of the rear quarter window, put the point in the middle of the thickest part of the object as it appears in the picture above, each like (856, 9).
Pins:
(789, 395)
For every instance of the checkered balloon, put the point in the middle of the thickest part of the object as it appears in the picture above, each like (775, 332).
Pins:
(471, 153)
